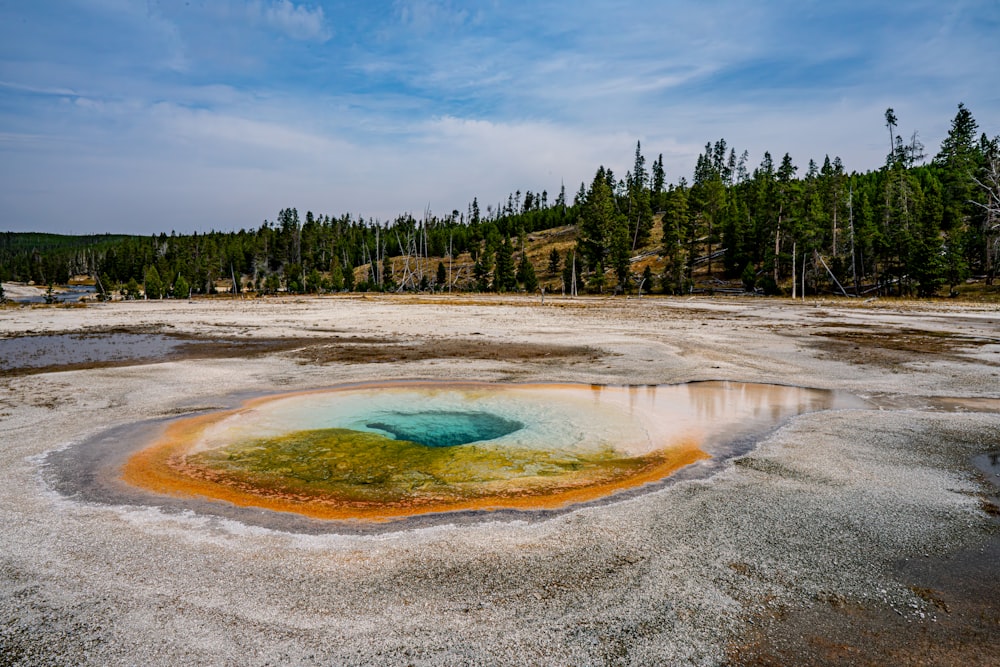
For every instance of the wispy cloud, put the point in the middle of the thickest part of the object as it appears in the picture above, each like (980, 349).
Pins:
(296, 21)
(38, 90)
(427, 16)
(191, 114)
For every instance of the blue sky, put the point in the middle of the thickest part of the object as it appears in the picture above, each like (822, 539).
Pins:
(157, 115)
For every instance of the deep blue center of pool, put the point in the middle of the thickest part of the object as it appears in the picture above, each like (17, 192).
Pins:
(444, 428)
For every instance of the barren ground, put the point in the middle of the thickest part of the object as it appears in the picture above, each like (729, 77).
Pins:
(861, 536)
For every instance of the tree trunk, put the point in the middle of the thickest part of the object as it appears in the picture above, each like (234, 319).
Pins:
(777, 246)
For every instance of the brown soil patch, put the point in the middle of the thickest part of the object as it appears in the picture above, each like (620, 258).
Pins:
(960, 623)
(889, 346)
(389, 351)
(193, 348)
(321, 350)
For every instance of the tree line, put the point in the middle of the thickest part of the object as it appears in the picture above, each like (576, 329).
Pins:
(912, 227)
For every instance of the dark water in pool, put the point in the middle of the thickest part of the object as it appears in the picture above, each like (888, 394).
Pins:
(443, 428)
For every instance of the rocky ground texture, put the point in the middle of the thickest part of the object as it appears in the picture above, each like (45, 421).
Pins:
(861, 536)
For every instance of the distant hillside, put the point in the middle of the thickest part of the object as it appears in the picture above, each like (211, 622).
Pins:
(44, 258)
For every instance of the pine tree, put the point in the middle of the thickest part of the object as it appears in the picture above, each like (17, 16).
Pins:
(153, 286)
(336, 276)
(647, 279)
(388, 279)
(604, 231)
(926, 265)
(314, 281)
(348, 278)
(958, 161)
(131, 290)
(554, 261)
(482, 272)
(505, 276)
(676, 231)
(598, 216)
(526, 274)
(707, 199)
(659, 181)
(639, 210)
(442, 275)
(181, 288)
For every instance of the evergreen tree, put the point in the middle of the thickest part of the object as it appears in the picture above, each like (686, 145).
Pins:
(505, 276)
(620, 257)
(152, 284)
(926, 263)
(647, 279)
(958, 162)
(388, 279)
(314, 281)
(603, 230)
(707, 200)
(349, 278)
(676, 232)
(598, 216)
(526, 274)
(272, 284)
(597, 280)
(336, 276)
(131, 290)
(442, 275)
(786, 193)
(639, 211)
(659, 181)
(181, 289)
(554, 260)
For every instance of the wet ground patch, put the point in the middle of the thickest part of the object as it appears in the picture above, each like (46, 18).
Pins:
(64, 351)
(888, 346)
(375, 351)
(38, 352)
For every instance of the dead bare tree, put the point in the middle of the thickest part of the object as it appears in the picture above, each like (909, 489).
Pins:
(990, 183)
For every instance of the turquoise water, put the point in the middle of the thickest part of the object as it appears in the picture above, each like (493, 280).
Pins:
(444, 428)
(575, 420)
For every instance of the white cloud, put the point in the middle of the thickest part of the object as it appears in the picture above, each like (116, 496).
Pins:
(296, 21)
(38, 90)
(425, 16)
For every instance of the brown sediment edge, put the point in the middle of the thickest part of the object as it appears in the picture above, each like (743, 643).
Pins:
(160, 468)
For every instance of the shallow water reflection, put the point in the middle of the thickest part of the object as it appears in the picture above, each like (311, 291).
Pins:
(381, 451)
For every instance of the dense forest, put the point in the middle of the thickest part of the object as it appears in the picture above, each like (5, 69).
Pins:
(914, 227)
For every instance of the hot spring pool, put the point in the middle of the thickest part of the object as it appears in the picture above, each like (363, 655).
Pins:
(376, 452)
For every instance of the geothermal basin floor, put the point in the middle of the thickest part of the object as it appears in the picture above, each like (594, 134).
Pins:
(865, 535)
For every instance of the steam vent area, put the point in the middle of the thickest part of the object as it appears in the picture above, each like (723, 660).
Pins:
(452, 480)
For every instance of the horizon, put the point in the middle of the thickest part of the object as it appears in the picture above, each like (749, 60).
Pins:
(136, 117)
